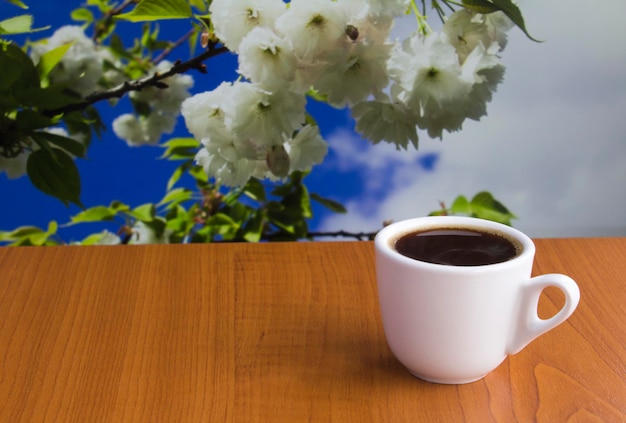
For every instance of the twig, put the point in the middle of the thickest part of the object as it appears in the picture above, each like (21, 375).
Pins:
(174, 45)
(140, 84)
(102, 26)
(361, 236)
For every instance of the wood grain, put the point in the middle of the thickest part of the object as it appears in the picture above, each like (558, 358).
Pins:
(278, 332)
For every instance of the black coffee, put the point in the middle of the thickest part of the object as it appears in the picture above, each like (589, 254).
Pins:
(457, 247)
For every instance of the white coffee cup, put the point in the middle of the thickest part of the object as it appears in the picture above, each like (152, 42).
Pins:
(455, 324)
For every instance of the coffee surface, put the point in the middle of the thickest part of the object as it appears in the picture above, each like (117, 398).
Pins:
(456, 247)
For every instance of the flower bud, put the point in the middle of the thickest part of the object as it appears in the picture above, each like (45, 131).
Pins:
(277, 161)
(352, 32)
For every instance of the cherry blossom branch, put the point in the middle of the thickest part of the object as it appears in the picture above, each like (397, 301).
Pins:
(102, 26)
(361, 236)
(174, 45)
(138, 85)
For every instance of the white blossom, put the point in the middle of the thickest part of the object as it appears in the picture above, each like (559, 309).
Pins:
(386, 120)
(388, 8)
(234, 19)
(482, 93)
(233, 172)
(432, 74)
(204, 113)
(144, 234)
(14, 167)
(267, 59)
(479, 60)
(340, 49)
(166, 100)
(307, 148)
(255, 113)
(143, 130)
(361, 73)
(498, 25)
(465, 30)
(435, 119)
(81, 66)
(128, 128)
(163, 106)
(314, 27)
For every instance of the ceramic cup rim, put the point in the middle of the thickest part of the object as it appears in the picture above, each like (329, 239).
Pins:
(384, 239)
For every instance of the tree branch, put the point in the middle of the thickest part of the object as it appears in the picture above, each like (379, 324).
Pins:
(361, 236)
(176, 44)
(140, 84)
(102, 26)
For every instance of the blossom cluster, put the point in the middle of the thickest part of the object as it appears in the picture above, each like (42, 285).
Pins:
(163, 108)
(87, 67)
(340, 50)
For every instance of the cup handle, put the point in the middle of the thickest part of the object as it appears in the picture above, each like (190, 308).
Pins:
(530, 325)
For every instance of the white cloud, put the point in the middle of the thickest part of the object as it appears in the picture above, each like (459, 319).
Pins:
(552, 147)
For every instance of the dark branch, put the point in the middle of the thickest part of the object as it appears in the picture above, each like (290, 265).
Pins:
(104, 24)
(361, 236)
(174, 45)
(140, 84)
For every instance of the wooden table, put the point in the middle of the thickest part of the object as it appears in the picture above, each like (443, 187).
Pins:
(278, 333)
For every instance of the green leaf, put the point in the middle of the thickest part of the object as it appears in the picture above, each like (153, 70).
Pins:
(103, 5)
(67, 144)
(178, 172)
(253, 229)
(152, 10)
(55, 175)
(305, 201)
(180, 149)
(19, 25)
(18, 3)
(201, 5)
(94, 214)
(282, 190)
(505, 6)
(17, 69)
(223, 224)
(513, 12)
(480, 6)
(255, 190)
(16, 25)
(30, 120)
(176, 196)
(50, 97)
(42, 238)
(118, 206)
(329, 204)
(21, 232)
(157, 225)
(485, 206)
(50, 59)
(198, 173)
(82, 14)
(317, 96)
(461, 206)
(145, 212)
(95, 239)
(442, 212)
(30, 235)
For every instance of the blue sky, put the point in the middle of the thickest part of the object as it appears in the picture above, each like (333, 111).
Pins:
(552, 147)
